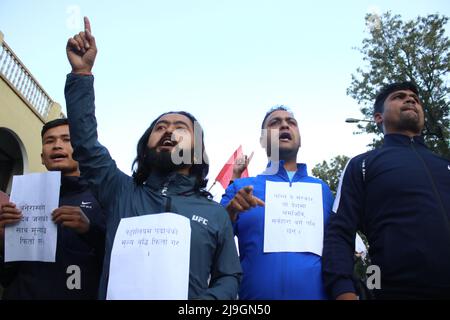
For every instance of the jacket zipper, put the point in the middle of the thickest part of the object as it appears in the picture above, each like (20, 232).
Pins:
(167, 199)
(433, 185)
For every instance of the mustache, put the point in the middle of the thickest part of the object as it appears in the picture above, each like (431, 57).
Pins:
(165, 138)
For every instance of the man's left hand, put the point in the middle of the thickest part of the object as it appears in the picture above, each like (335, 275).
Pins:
(71, 217)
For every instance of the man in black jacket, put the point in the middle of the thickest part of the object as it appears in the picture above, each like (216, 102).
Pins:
(399, 196)
(162, 182)
(80, 238)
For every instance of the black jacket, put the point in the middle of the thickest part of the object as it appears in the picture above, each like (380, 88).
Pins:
(399, 196)
(215, 269)
(45, 280)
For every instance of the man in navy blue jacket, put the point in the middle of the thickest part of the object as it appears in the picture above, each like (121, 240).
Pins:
(81, 232)
(399, 196)
(158, 185)
(288, 274)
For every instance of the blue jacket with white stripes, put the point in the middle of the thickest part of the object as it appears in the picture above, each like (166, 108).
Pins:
(399, 197)
(275, 275)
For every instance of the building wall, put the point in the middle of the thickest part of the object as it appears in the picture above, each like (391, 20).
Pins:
(24, 108)
(16, 116)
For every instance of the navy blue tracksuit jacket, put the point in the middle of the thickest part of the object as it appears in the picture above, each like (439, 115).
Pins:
(399, 196)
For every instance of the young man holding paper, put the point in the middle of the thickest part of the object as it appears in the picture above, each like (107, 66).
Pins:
(163, 185)
(80, 232)
(279, 218)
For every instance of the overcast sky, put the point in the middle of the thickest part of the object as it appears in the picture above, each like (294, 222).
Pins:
(225, 61)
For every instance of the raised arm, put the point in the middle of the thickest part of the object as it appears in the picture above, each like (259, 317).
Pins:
(240, 165)
(81, 50)
(95, 162)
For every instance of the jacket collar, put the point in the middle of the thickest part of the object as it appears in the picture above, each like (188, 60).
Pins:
(396, 139)
(277, 168)
(72, 184)
(174, 182)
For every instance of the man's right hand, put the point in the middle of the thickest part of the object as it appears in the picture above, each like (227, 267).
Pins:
(9, 214)
(242, 201)
(81, 50)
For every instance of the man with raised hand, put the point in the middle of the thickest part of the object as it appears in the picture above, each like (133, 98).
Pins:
(159, 183)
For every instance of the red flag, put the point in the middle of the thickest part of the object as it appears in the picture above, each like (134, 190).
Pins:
(226, 173)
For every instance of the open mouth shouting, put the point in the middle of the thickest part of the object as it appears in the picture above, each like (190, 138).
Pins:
(58, 157)
(166, 143)
(285, 136)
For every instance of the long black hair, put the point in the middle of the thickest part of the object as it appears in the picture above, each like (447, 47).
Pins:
(199, 170)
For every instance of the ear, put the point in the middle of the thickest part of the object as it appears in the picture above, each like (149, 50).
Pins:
(378, 117)
(42, 158)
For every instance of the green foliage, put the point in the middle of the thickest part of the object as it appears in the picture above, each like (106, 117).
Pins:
(330, 173)
(417, 51)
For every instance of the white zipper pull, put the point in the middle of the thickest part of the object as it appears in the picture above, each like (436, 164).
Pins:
(164, 191)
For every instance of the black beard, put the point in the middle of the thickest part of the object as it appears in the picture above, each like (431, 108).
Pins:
(161, 161)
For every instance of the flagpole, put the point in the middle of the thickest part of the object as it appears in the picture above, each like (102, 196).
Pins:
(212, 186)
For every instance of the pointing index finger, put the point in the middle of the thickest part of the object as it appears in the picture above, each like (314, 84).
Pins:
(87, 25)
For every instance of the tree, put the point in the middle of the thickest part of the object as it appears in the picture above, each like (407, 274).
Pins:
(416, 51)
(330, 173)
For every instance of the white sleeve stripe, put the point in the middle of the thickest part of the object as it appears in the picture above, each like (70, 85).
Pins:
(338, 193)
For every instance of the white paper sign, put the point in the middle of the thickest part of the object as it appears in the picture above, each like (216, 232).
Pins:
(150, 258)
(34, 238)
(293, 219)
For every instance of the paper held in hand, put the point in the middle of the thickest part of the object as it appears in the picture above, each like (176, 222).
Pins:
(293, 219)
(33, 238)
(150, 258)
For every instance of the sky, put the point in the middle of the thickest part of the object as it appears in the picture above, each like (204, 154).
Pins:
(225, 61)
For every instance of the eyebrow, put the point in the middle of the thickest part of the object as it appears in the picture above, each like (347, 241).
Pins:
(280, 118)
(178, 122)
(406, 94)
(65, 135)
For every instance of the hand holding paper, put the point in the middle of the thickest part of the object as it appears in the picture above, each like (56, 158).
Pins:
(33, 238)
(9, 214)
(71, 217)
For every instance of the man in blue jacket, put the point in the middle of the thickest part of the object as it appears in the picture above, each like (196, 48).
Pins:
(158, 184)
(399, 196)
(80, 238)
(275, 275)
